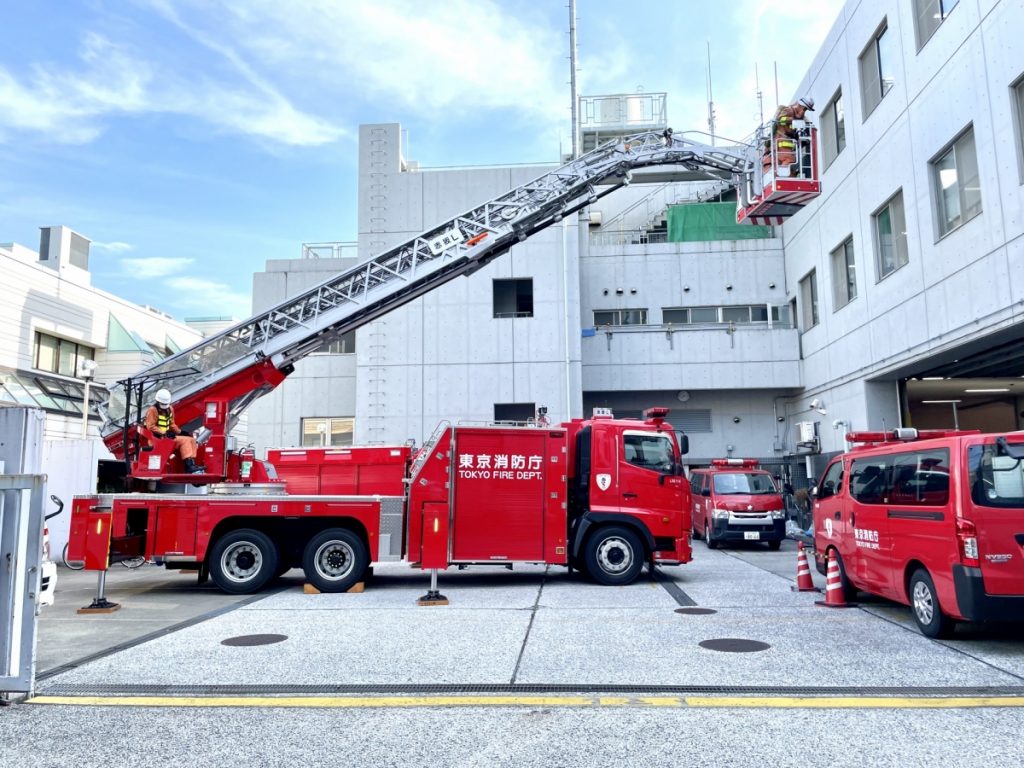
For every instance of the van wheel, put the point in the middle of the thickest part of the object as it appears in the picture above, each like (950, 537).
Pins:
(614, 556)
(707, 535)
(774, 546)
(849, 591)
(335, 560)
(925, 604)
(243, 561)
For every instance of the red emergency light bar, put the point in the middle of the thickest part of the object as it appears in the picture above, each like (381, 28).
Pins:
(905, 434)
(734, 463)
(655, 415)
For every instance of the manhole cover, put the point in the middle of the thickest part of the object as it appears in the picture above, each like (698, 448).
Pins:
(696, 611)
(734, 645)
(254, 640)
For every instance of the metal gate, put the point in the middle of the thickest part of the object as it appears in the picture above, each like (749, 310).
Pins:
(21, 550)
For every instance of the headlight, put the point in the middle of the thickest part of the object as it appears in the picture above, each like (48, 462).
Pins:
(720, 514)
(778, 514)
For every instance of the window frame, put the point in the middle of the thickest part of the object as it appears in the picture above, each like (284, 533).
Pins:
(939, 199)
(902, 257)
(845, 249)
(76, 351)
(809, 303)
(1017, 108)
(921, 9)
(329, 422)
(875, 50)
(617, 317)
(502, 284)
(830, 129)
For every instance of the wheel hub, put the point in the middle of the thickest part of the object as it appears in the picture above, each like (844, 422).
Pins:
(241, 562)
(614, 556)
(334, 560)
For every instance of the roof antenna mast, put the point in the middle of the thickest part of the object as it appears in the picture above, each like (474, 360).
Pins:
(711, 99)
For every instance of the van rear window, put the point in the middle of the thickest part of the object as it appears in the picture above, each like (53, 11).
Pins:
(996, 480)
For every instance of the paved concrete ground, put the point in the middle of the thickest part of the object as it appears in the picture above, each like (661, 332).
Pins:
(540, 626)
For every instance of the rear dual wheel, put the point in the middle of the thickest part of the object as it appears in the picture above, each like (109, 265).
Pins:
(335, 560)
(243, 561)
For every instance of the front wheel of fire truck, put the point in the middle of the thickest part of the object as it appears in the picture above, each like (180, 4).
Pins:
(335, 560)
(614, 556)
(925, 603)
(243, 561)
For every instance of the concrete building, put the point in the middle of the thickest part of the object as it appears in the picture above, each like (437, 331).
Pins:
(901, 285)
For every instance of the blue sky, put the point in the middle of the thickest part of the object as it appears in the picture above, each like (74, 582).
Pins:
(192, 140)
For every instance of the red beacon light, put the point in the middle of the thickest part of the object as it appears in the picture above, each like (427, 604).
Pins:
(748, 463)
(655, 415)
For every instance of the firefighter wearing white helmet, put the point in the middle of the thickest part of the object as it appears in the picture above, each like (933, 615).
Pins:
(784, 134)
(159, 420)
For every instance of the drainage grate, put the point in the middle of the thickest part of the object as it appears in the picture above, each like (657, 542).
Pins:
(734, 645)
(86, 689)
(696, 611)
(249, 640)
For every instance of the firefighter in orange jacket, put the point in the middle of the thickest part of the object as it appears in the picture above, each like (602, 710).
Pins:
(159, 420)
(784, 135)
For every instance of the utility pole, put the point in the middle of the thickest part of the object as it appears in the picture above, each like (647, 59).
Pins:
(572, 81)
(711, 100)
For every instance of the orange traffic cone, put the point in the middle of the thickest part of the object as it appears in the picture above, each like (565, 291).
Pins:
(804, 583)
(833, 586)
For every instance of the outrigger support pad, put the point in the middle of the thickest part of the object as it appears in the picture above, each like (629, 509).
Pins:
(100, 604)
(433, 597)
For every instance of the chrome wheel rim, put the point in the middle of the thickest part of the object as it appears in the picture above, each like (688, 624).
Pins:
(334, 559)
(614, 555)
(241, 562)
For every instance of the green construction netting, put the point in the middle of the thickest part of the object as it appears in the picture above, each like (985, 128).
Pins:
(709, 221)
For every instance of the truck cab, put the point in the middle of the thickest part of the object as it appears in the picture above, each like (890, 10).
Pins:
(734, 500)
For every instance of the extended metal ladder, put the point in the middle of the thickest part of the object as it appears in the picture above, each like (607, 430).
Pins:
(306, 323)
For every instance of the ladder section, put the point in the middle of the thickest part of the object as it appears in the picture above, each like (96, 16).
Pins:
(307, 322)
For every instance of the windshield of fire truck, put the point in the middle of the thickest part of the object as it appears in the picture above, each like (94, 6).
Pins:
(996, 480)
(747, 484)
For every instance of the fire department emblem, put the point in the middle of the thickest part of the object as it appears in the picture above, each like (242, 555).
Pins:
(604, 482)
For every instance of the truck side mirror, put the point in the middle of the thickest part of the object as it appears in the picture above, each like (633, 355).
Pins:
(684, 444)
(814, 491)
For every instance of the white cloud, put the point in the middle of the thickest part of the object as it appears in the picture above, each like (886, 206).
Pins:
(115, 246)
(72, 107)
(154, 266)
(208, 297)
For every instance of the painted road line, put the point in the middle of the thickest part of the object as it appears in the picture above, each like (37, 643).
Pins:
(402, 702)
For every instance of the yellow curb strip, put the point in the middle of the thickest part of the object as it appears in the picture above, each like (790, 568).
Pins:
(399, 702)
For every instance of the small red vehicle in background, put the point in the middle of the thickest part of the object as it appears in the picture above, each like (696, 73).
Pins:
(733, 500)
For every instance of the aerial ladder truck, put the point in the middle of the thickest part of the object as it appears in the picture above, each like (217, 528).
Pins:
(602, 495)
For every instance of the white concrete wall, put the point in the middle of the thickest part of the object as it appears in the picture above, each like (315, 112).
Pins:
(956, 288)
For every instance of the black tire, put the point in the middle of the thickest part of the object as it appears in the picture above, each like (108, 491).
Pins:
(243, 561)
(74, 565)
(849, 591)
(712, 544)
(774, 546)
(924, 604)
(614, 556)
(335, 560)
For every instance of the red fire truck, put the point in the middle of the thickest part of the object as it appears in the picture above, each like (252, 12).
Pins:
(734, 500)
(932, 519)
(603, 495)
(567, 494)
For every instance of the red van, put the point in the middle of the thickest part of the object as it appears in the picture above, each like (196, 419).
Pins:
(733, 500)
(931, 519)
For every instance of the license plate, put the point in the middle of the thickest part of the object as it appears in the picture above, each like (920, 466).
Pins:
(751, 535)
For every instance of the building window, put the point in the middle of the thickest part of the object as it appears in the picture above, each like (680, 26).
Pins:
(60, 355)
(833, 130)
(513, 298)
(1018, 111)
(929, 14)
(343, 345)
(890, 236)
(957, 185)
(876, 74)
(620, 317)
(753, 313)
(320, 431)
(809, 299)
(517, 413)
(844, 275)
